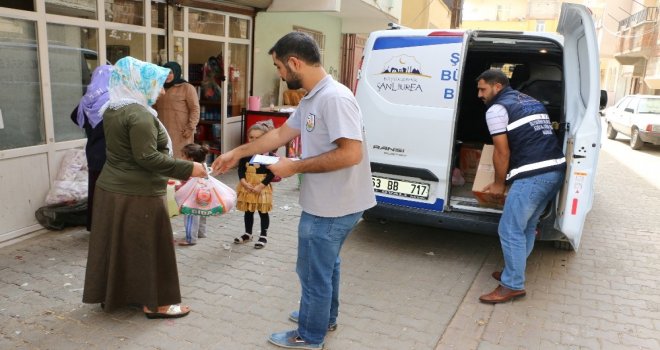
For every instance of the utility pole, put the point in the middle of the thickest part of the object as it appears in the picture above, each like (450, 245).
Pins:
(456, 14)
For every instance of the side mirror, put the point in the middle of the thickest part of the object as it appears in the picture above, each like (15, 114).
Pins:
(603, 99)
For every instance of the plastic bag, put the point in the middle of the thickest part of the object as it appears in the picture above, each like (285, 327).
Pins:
(70, 185)
(205, 197)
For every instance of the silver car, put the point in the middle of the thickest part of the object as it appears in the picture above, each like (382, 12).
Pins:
(636, 116)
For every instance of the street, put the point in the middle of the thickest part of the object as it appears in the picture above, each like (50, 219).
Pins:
(403, 286)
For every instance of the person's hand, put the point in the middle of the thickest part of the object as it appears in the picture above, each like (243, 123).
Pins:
(496, 189)
(247, 185)
(224, 162)
(258, 188)
(199, 170)
(283, 168)
(186, 133)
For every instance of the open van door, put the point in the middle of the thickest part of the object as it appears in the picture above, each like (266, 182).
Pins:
(582, 96)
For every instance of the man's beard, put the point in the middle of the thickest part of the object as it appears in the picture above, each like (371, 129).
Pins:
(293, 81)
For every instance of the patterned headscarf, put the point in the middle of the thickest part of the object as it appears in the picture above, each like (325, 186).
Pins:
(137, 82)
(95, 97)
(134, 81)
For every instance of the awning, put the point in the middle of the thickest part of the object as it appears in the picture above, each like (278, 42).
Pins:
(357, 16)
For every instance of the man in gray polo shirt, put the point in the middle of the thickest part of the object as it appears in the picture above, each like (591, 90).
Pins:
(336, 186)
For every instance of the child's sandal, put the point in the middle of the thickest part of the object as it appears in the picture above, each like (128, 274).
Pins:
(246, 237)
(261, 242)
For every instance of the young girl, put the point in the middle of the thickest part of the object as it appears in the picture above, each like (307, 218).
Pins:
(195, 225)
(255, 192)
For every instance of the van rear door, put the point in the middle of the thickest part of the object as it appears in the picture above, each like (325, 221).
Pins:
(582, 89)
(407, 91)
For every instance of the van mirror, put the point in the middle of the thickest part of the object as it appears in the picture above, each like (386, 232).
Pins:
(603, 99)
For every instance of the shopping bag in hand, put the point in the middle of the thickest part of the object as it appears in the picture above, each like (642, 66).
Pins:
(205, 197)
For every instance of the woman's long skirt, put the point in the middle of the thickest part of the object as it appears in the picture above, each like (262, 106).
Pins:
(131, 258)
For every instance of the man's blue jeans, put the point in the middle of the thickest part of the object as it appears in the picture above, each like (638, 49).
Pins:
(525, 202)
(319, 241)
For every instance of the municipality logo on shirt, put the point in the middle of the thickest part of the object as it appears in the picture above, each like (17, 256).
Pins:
(310, 122)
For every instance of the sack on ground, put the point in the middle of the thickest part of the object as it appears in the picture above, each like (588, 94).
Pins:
(70, 185)
(205, 197)
(59, 216)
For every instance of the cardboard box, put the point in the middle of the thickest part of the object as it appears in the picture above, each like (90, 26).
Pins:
(486, 175)
(468, 160)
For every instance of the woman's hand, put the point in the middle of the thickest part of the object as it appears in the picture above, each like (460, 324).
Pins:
(199, 170)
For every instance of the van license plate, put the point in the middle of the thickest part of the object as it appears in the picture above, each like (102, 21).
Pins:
(401, 188)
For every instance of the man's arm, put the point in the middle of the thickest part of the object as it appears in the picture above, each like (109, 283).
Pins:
(501, 155)
(347, 153)
(267, 142)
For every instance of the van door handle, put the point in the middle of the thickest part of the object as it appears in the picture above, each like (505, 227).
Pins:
(578, 156)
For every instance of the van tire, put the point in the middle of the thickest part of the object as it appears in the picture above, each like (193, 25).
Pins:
(611, 133)
(366, 216)
(635, 142)
(563, 245)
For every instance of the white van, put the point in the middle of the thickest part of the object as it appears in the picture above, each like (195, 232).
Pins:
(418, 96)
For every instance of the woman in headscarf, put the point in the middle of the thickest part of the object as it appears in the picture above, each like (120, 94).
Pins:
(131, 258)
(178, 109)
(87, 116)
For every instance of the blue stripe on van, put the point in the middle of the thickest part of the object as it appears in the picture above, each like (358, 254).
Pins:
(437, 206)
(393, 42)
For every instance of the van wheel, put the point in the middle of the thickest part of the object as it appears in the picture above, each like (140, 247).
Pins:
(366, 216)
(563, 245)
(635, 141)
(611, 133)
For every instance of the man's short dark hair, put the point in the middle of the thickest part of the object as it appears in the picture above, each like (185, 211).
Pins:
(299, 45)
(492, 76)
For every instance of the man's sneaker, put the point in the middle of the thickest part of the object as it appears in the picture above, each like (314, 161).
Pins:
(293, 316)
(291, 339)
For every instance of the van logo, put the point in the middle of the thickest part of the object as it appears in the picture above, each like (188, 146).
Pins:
(387, 149)
(404, 64)
(401, 74)
(310, 121)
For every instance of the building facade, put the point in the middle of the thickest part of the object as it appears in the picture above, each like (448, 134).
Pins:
(636, 48)
(50, 47)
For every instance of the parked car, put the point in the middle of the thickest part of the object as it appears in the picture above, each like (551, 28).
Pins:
(636, 116)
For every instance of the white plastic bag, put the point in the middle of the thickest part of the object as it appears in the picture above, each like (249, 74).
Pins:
(71, 182)
(205, 197)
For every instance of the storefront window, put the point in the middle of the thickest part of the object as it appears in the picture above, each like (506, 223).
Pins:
(237, 79)
(26, 5)
(158, 50)
(238, 28)
(204, 22)
(72, 56)
(121, 44)
(178, 18)
(158, 14)
(21, 118)
(125, 11)
(74, 8)
(178, 50)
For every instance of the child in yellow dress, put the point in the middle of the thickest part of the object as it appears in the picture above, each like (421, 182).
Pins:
(254, 191)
